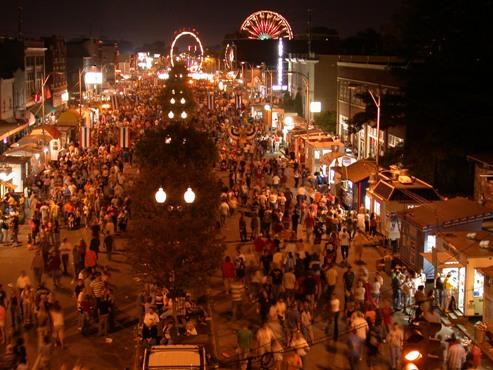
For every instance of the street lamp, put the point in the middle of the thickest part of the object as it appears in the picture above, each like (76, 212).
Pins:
(171, 115)
(189, 196)
(182, 101)
(160, 197)
(184, 115)
(377, 102)
(172, 101)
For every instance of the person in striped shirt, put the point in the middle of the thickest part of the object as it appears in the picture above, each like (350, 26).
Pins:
(237, 293)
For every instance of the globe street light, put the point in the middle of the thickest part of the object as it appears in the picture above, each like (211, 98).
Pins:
(182, 101)
(172, 101)
(160, 196)
(189, 196)
(184, 114)
(171, 115)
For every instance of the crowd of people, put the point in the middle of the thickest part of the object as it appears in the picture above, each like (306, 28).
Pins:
(297, 245)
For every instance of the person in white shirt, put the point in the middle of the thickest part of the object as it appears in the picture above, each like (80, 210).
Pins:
(359, 294)
(375, 291)
(359, 324)
(335, 308)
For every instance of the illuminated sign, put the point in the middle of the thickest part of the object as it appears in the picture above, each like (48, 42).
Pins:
(315, 107)
(93, 78)
(65, 96)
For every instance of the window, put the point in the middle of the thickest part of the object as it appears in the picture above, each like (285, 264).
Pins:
(394, 141)
(376, 208)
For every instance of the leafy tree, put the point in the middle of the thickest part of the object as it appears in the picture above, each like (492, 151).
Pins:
(298, 104)
(181, 244)
(392, 111)
(326, 121)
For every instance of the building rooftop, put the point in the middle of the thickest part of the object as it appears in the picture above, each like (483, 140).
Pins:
(483, 158)
(447, 213)
(415, 192)
(459, 243)
(358, 171)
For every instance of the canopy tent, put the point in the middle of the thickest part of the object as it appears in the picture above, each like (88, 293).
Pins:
(329, 157)
(33, 139)
(69, 118)
(27, 150)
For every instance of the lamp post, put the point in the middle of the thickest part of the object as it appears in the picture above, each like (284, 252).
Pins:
(377, 102)
(188, 196)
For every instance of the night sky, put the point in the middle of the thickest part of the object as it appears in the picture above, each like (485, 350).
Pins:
(142, 21)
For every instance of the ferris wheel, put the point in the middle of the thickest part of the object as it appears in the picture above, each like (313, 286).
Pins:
(265, 25)
(193, 57)
(230, 56)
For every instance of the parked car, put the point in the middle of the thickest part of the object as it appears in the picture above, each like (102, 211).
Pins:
(175, 356)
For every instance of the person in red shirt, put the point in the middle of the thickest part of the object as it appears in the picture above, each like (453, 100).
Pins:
(228, 269)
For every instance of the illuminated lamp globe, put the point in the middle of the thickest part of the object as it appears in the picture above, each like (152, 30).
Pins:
(171, 115)
(160, 196)
(267, 107)
(189, 196)
(184, 114)
(45, 150)
(36, 155)
(172, 101)
(182, 100)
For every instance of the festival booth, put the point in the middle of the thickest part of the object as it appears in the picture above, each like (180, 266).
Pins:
(463, 254)
(395, 191)
(296, 141)
(68, 123)
(14, 171)
(351, 182)
(290, 122)
(419, 227)
(488, 296)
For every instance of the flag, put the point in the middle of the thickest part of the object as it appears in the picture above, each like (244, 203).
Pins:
(85, 137)
(238, 101)
(210, 101)
(124, 140)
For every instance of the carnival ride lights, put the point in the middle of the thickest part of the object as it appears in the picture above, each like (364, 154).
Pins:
(266, 24)
(194, 34)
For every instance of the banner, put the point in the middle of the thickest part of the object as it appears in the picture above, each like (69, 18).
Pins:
(238, 101)
(124, 140)
(114, 101)
(85, 137)
(210, 101)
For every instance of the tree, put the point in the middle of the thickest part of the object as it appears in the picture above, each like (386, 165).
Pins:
(179, 245)
(392, 111)
(298, 104)
(326, 121)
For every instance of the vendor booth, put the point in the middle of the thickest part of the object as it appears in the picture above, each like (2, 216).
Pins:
(394, 193)
(14, 171)
(463, 254)
(419, 227)
(351, 182)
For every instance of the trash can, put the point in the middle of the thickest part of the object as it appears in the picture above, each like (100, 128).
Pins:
(479, 332)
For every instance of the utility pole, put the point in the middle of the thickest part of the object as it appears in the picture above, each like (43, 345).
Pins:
(20, 20)
(377, 102)
(309, 32)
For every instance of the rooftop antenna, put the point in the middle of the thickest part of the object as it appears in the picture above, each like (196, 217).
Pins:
(309, 24)
(20, 19)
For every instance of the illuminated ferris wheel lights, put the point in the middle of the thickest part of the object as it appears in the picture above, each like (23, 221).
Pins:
(266, 24)
(200, 58)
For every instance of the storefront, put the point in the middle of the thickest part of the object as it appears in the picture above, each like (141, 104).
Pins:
(390, 195)
(463, 255)
(316, 148)
(15, 171)
(419, 227)
(352, 182)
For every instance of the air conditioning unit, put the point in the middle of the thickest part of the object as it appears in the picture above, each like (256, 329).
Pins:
(484, 244)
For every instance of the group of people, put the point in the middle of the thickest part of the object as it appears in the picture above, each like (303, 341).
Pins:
(296, 247)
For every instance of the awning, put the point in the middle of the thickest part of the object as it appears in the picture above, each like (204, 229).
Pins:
(444, 259)
(37, 109)
(69, 118)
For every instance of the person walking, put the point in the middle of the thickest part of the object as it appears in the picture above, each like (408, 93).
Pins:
(228, 269)
(237, 293)
(37, 266)
(58, 324)
(456, 355)
(395, 339)
(344, 240)
(244, 338)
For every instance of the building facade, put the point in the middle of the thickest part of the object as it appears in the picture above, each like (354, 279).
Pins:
(355, 76)
(321, 74)
(34, 70)
(55, 63)
(6, 98)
